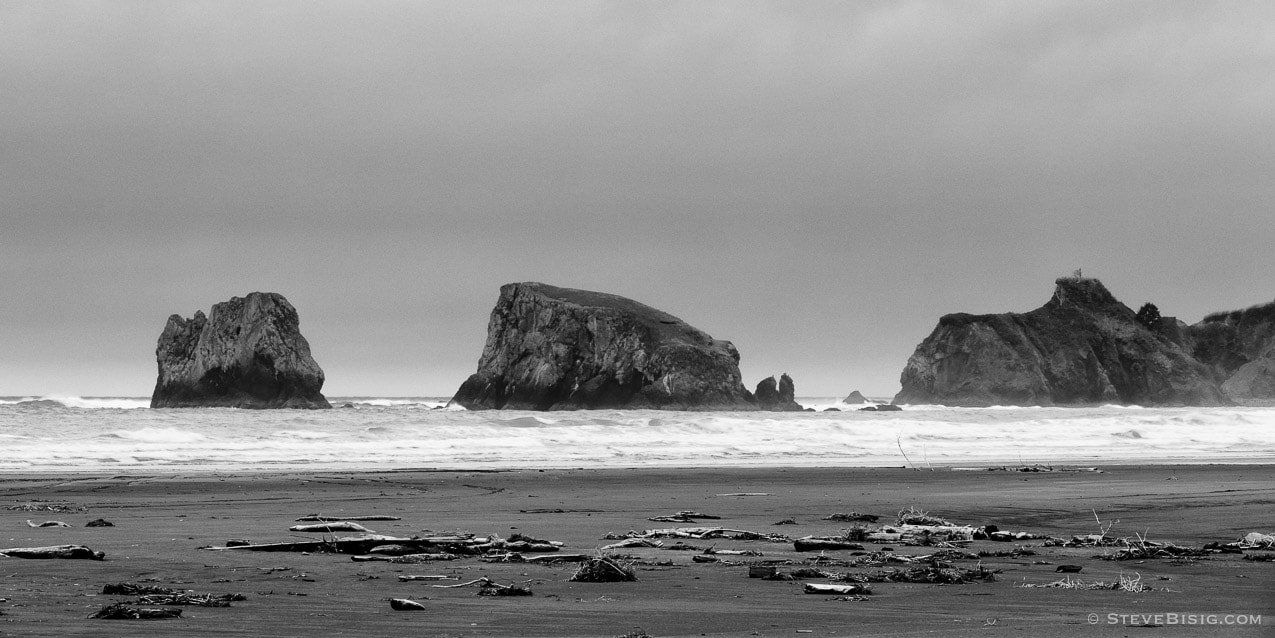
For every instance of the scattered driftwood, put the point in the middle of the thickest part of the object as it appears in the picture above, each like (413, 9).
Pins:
(121, 611)
(1264, 557)
(1257, 540)
(406, 559)
(855, 589)
(38, 506)
(559, 558)
(853, 517)
(156, 595)
(47, 524)
(315, 518)
(701, 533)
(101, 522)
(489, 587)
(55, 551)
(733, 552)
(363, 544)
(935, 572)
(602, 569)
(633, 542)
(1126, 583)
(404, 604)
(335, 526)
(810, 544)
(684, 516)
(408, 577)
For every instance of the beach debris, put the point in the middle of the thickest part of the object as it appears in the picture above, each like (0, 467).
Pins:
(854, 589)
(1125, 583)
(364, 543)
(812, 544)
(121, 611)
(762, 571)
(853, 517)
(746, 494)
(408, 559)
(786, 521)
(1257, 540)
(41, 506)
(733, 552)
(934, 572)
(156, 595)
(1007, 553)
(405, 604)
(603, 569)
(684, 516)
(704, 558)
(916, 516)
(558, 558)
(101, 522)
(47, 524)
(54, 551)
(335, 526)
(701, 533)
(489, 587)
(632, 542)
(1068, 569)
(316, 518)
(1264, 557)
(409, 577)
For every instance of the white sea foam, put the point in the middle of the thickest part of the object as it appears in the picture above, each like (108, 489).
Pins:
(49, 436)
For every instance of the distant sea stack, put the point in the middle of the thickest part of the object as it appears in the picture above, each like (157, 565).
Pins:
(1081, 348)
(551, 348)
(248, 353)
(777, 396)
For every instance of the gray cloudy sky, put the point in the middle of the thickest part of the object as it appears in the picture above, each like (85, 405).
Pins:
(815, 181)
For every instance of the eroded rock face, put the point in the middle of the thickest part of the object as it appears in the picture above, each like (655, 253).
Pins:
(778, 396)
(248, 353)
(551, 348)
(1082, 347)
(1240, 347)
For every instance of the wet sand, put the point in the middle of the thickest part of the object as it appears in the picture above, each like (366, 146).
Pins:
(162, 522)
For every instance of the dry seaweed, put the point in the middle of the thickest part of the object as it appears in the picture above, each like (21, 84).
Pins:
(602, 569)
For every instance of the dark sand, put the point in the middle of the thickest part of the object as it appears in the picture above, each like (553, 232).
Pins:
(162, 521)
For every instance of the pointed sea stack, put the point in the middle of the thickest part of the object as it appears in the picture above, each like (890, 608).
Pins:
(551, 348)
(777, 397)
(1081, 348)
(249, 353)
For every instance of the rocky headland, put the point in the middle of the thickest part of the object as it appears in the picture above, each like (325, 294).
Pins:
(1084, 347)
(551, 348)
(247, 353)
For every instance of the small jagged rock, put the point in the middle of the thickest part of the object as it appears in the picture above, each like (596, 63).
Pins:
(551, 348)
(855, 398)
(248, 353)
(777, 396)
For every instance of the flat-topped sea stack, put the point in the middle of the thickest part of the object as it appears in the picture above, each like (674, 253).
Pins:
(551, 348)
(248, 353)
(1081, 348)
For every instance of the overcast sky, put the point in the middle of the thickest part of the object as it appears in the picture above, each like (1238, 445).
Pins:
(817, 182)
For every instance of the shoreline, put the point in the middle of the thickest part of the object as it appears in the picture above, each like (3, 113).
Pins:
(163, 519)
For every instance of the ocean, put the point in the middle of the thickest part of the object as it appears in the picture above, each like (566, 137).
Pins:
(104, 435)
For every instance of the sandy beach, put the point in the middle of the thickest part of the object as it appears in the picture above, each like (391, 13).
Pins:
(163, 526)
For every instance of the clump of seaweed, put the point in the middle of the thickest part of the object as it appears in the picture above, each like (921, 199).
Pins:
(603, 569)
(916, 516)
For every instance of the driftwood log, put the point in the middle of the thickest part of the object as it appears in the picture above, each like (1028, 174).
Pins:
(55, 551)
(334, 526)
(851, 589)
(315, 518)
(822, 544)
